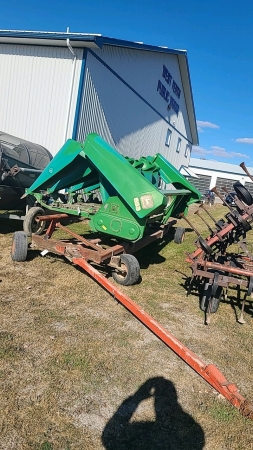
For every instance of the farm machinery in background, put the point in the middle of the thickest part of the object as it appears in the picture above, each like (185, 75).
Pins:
(133, 211)
(213, 262)
(21, 162)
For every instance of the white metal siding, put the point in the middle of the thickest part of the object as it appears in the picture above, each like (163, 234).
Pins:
(217, 177)
(142, 70)
(38, 90)
(110, 108)
(92, 118)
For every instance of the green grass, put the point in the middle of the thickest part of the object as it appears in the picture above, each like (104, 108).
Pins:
(74, 360)
(45, 446)
(223, 413)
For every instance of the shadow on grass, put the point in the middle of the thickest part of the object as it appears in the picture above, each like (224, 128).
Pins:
(10, 225)
(172, 429)
(149, 255)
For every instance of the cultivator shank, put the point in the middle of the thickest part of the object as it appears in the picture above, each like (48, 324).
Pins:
(212, 261)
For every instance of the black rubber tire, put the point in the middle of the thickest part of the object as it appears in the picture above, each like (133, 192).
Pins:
(19, 246)
(220, 223)
(131, 272)
(203, 244)
(208, 303)
(242, 193)
(30, 225)
(179, 235)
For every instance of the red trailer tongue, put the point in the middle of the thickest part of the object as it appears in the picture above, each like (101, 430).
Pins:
(209, 372)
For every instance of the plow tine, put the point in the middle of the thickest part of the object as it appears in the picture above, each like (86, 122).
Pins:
(241, 318)
(210, 215)
(203, 220)
(242, 165)
(215, 190)
(210, 372)
(208, 318)
(189, 223)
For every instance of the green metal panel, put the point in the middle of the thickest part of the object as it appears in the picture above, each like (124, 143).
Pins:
(115, 218)
(75, 161)
(66, 169)
(171, 175)
(128, 187)
(141, 196)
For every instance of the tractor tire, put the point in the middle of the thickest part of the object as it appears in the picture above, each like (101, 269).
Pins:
(30, 225)
(243, 194)
(131, 271)
(19, 246)
(179, 235)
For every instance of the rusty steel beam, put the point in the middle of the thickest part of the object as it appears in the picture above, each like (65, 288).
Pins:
(78, 237)
(90, 250)
(224, 268)
(51, 217)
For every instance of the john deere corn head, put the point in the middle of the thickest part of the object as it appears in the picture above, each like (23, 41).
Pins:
(130, 206)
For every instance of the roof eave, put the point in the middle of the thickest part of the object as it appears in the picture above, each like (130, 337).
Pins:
(77, 39)
(49, 38)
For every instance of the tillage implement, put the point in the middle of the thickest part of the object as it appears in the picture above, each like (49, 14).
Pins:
(213, 265)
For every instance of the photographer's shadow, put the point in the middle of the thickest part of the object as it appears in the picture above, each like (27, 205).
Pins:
(172, 429)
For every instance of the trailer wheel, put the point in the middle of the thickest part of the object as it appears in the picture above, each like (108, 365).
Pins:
(211, 296)
(19, 246)
(243, 193)
(205, 246)
(179, 235)
(130, 270)
(30, 225)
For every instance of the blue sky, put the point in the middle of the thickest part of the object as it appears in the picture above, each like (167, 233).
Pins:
(217, 35)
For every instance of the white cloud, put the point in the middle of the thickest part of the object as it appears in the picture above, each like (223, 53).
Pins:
(216, 151)
(202, 124)
(245, 140)
(199, 150)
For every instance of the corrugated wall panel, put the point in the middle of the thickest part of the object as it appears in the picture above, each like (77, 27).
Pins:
(38, 90)
(142, 70)
(110, 108)
(92, 118)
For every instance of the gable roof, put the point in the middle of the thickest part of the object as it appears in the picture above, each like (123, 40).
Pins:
(217, 166)
(82, 40)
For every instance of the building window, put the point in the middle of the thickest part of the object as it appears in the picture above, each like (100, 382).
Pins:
(168, 137)
(178, 145)
(187, 151)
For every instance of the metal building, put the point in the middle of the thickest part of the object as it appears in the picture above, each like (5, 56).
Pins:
(55, 86)
(209, 174)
